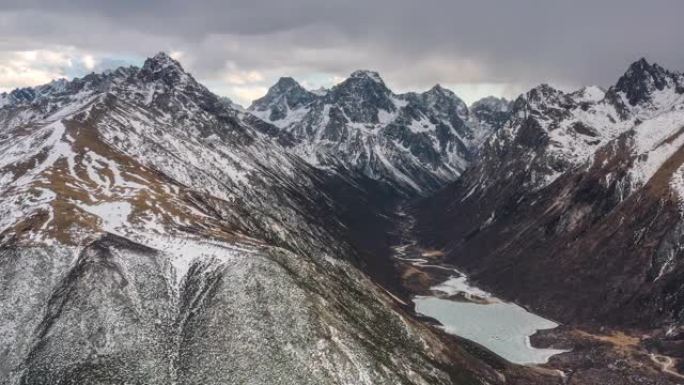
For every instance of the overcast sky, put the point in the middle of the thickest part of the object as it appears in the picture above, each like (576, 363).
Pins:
(238, 48)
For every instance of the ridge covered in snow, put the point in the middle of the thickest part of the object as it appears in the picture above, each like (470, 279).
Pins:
(577, 186)
(138, 206)
(553, 131)
(416, 142)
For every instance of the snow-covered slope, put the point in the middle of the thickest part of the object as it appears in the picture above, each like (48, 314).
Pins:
(578, 197)
(551, 132)
(415, 141)
(152, 233)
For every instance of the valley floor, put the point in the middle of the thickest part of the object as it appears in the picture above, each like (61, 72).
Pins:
(585, 355)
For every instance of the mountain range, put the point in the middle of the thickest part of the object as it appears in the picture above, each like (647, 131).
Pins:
(415, 142)
(153, 232)
(586, 186)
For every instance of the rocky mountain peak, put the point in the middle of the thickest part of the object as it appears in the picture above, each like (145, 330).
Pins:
(491, 103)
(362, 82)
(31, 94)
(286, 87)
(439, 90)
(19, 95)
(366, 74)
(286, 94)
(445, 101)
(542, 98)
(542, 92)
(161, 61)
(361, 95)
(641, 79)
(163, 67)
(491, 111)
(285, 84)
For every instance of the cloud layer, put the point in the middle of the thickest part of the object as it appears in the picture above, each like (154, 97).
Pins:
(240, 47)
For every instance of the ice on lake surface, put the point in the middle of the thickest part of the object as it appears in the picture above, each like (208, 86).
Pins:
(501, 327)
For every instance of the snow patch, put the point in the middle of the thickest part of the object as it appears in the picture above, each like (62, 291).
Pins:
(114, 215)
(655, 141)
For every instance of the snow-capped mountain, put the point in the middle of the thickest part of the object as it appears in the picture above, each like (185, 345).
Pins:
(153, 233)
(414, 141)
(577, 193)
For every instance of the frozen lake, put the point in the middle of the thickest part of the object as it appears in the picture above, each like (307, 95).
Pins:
(501, 327)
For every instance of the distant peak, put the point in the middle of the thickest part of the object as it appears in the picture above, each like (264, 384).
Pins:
(286, 83)
(641, 79)
(492, 103)
(438, 89)
(163, 67)
(491, 99)
(640, 64)
(439, 94)
(642, 67)
(285, 90)
(162, 61)
(589, 94)
(161, 55)
(543, 92)
(542, 97)
(544, 88)
(445, 101)
(366, 74)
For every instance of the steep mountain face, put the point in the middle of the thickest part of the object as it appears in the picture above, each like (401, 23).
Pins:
(574, 207)
(152, 233)
(415, 142)
(285, 96)
(492, 111)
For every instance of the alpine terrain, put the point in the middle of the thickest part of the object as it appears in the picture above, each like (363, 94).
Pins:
(415, 142)
(152, 232)
(574, 209)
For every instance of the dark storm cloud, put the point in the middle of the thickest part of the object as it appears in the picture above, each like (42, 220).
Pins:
(413, 43)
